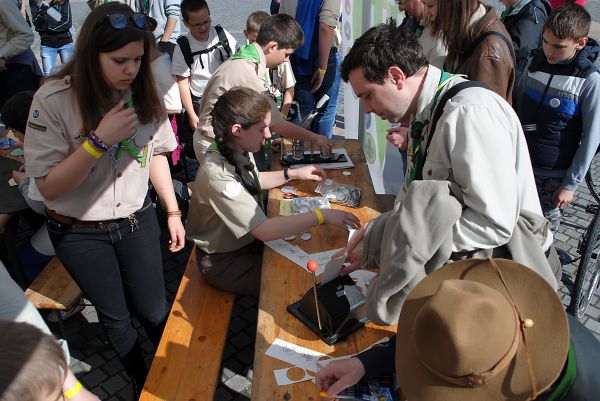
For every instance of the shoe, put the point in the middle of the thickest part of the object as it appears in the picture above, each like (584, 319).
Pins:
(135, 367)
(66, 313)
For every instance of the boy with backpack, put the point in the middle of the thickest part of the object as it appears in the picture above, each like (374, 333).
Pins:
(198, 54)
(278, 37)
(558, 103)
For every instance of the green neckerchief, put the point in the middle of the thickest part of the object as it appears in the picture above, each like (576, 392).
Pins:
(419, 31)
(415, 152)
(566, 380)
(249, 52)
(214, 148)
(140, 155)
(509, 11)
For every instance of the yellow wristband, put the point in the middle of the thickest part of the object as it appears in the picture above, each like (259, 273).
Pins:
(323, 70)
(319, 215)
(91, 150)
(73, 391)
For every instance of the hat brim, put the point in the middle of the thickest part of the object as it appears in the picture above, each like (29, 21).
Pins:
(547, 341)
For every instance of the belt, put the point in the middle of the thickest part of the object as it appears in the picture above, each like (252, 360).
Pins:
(99, 224)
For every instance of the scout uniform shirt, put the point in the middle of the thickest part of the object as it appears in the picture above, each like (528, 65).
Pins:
(222, 211)
(114, 188)
(233, 72)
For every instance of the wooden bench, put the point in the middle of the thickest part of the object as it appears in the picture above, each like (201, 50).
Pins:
(54, 288)
(187, 362)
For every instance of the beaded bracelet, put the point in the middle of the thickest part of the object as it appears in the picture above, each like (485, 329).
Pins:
(91, 149)
(73, 391)
(97, 142)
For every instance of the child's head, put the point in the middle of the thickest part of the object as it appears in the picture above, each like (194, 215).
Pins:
(565, 32)
(253, 24)
(241, 119)
(112, 56)
(32, 364)
(196, 16)
(279, 36)
(15, 112)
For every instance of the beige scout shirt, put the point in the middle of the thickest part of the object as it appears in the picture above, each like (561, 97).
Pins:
(109, 192)
(232, 73)
(222, 212)
(329, 15)
(15, 35)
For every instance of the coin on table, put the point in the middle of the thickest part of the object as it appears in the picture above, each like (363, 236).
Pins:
(305, 236)
(346, 173)
(288, 190)
(296, 373)
(290, 238)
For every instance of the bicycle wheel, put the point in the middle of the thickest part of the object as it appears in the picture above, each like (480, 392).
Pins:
(588, 273)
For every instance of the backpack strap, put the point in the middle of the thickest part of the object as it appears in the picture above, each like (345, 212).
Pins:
(186, 50)
(188, 55)
(501, 36)
(223, 39)
(439, 108)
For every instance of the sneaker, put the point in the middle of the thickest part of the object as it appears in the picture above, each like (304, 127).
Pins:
(66, 313)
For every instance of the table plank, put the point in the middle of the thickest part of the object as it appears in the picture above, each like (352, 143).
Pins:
(53, 288)
(188, 358)
(283, 283)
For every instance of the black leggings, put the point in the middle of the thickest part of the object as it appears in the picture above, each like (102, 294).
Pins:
(120, 272)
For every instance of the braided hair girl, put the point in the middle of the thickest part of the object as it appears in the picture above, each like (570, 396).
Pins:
(227, 220)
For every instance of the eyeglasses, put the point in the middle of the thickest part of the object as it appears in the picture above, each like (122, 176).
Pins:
(141, 21)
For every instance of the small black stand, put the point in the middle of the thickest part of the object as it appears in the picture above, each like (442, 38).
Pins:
(315, 158)
(341, 306)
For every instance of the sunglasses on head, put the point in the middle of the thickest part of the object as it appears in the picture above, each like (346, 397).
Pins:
(139, 20)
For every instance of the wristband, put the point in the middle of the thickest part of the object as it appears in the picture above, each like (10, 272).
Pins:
(174, 213)
(92, 150)
(97, 142)
(323, 70)
(73, 391)
(319, 215)
(285, 174)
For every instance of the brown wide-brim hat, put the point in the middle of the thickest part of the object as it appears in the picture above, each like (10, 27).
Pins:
(547, 341)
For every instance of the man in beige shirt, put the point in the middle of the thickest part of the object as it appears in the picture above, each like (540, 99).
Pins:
(279, 35)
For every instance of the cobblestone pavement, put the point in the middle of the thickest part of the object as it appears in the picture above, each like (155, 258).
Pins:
(93, 359)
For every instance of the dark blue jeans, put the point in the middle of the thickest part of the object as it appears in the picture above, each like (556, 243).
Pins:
(119, 270)
(323, 124)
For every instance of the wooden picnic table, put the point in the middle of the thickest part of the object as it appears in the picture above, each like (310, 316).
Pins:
(284, 282)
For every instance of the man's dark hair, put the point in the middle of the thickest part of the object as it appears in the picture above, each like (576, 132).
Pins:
(570, 21)
(380, 48)
(282, 29)
(188, 6)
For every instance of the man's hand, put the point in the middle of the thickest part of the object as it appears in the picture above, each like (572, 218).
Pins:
(193, 120)
(317, 79)
(18, 176)
(562, 197)
(339, 375)
(398, 136)
(353, 253)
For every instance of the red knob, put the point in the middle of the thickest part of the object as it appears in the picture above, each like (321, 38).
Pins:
(312, 265)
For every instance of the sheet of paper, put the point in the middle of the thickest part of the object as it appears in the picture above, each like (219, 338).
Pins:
(332, 270)
(290, 251)
(362, 278)
(282, 376)
(331, 166)
(322, 259)
(295, 355)
(12, 182)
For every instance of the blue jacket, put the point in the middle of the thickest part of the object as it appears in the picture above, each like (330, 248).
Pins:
(550, 109)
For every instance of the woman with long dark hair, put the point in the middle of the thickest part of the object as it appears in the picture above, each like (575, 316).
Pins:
(97, 132)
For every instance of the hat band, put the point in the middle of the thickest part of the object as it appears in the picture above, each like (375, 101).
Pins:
(479, 379)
